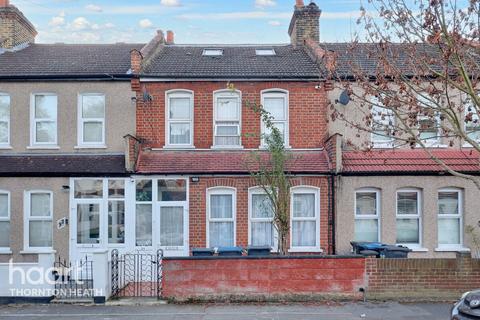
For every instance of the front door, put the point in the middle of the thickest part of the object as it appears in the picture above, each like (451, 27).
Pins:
(172, 228)
(87, 222)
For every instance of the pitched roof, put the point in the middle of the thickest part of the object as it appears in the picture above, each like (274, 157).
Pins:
(61, 165)
(223, 162)
(409, 161)
(362, 57)
(39, 61)
(237, 62)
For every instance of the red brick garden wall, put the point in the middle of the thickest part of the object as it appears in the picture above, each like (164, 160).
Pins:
(273, 278)
(307, 112)
(422, 278)
(197, 210)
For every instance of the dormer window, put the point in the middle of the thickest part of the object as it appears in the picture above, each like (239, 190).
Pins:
(213, 52)
(265, 52)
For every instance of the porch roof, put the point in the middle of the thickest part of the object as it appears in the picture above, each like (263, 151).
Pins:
(225, 162)
(410, 161)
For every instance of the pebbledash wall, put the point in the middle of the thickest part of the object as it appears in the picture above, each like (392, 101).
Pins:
(318, 277)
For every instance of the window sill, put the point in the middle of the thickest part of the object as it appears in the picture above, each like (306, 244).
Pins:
(305, 250)
(46, 147)
(175, 148)
(416, 249)
(37, 251)
(226, 147)
(5, 251)
(452, 249)
(91, 147)
(433, 145)
(383, 146)
(5, 147)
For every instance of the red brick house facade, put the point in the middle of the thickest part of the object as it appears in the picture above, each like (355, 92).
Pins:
(193, 147)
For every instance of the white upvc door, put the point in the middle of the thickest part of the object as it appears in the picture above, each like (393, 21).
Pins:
(171, 228)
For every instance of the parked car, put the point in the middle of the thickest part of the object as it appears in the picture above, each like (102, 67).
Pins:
(468, 307)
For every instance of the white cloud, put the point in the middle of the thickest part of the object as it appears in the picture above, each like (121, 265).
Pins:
(81, 23)
(274, 23)
(265, 3)
(58, 20)
(93, 7)
(145, 23)
(170, 3)
(109, 25)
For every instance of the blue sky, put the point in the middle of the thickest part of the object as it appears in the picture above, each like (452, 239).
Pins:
(193, 21)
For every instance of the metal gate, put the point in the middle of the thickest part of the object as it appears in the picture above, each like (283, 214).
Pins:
(73, 280)
(137, 274)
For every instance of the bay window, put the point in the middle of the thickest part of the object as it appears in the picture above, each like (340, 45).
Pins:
(4, 120)
(227, 118)
(179, 116)
(367, 215)
(43, 117)
(91, 122)
(4, 220)
(275, 102)
(450, 212)
(409, 217)
(221, 204)
(262, 229)
(38, 220)
(305, 219)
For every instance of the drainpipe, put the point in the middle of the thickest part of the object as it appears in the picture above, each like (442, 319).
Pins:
(332, 208)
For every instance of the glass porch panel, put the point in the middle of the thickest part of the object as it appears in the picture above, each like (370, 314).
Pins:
(171, 226)
(88, 223)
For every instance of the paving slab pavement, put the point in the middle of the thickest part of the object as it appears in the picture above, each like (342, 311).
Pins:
(333, 311)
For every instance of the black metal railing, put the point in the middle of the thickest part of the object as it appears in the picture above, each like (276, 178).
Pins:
(137, 274)
(73, 280)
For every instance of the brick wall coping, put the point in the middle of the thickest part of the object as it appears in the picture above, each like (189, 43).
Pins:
(297, 257)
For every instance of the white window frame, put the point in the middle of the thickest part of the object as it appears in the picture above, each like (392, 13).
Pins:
(458, 216)
(277, 93)
(467, 105)
(411, 216)
(251, 192)
(227, 94)
(222, 191)
(28, 218)
(6, 145)
(81, 121)
(7, 219)
(385, 123)
(376, 216)
(420, 117)
(180, 93)
(306, 190)
(33, 122)
(152, 208)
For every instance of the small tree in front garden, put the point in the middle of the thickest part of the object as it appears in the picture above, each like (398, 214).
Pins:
(268, 168)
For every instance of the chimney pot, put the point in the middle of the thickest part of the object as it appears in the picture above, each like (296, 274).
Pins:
(300, 4)
(170, 37)
(4, 3)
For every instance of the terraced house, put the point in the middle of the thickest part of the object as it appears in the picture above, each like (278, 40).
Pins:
(140, 147)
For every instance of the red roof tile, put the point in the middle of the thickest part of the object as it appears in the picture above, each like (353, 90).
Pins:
(223, 162)
(383, 161)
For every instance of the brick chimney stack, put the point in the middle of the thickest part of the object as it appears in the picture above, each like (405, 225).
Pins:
(15, 29)
(305, 23)
(170, 37)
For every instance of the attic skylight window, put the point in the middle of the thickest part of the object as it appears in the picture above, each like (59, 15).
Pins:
(265, 52)
(213, 52)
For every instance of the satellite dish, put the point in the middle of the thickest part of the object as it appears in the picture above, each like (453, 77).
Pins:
(344, 98)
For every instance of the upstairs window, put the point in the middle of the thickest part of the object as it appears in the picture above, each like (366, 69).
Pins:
(472, 121)
(4, 120)
(276, 103)
(382, 125)
(212, 52)
(179, 119)
(428, 121)
(44, 120)
(227, 116)
(91, 126)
